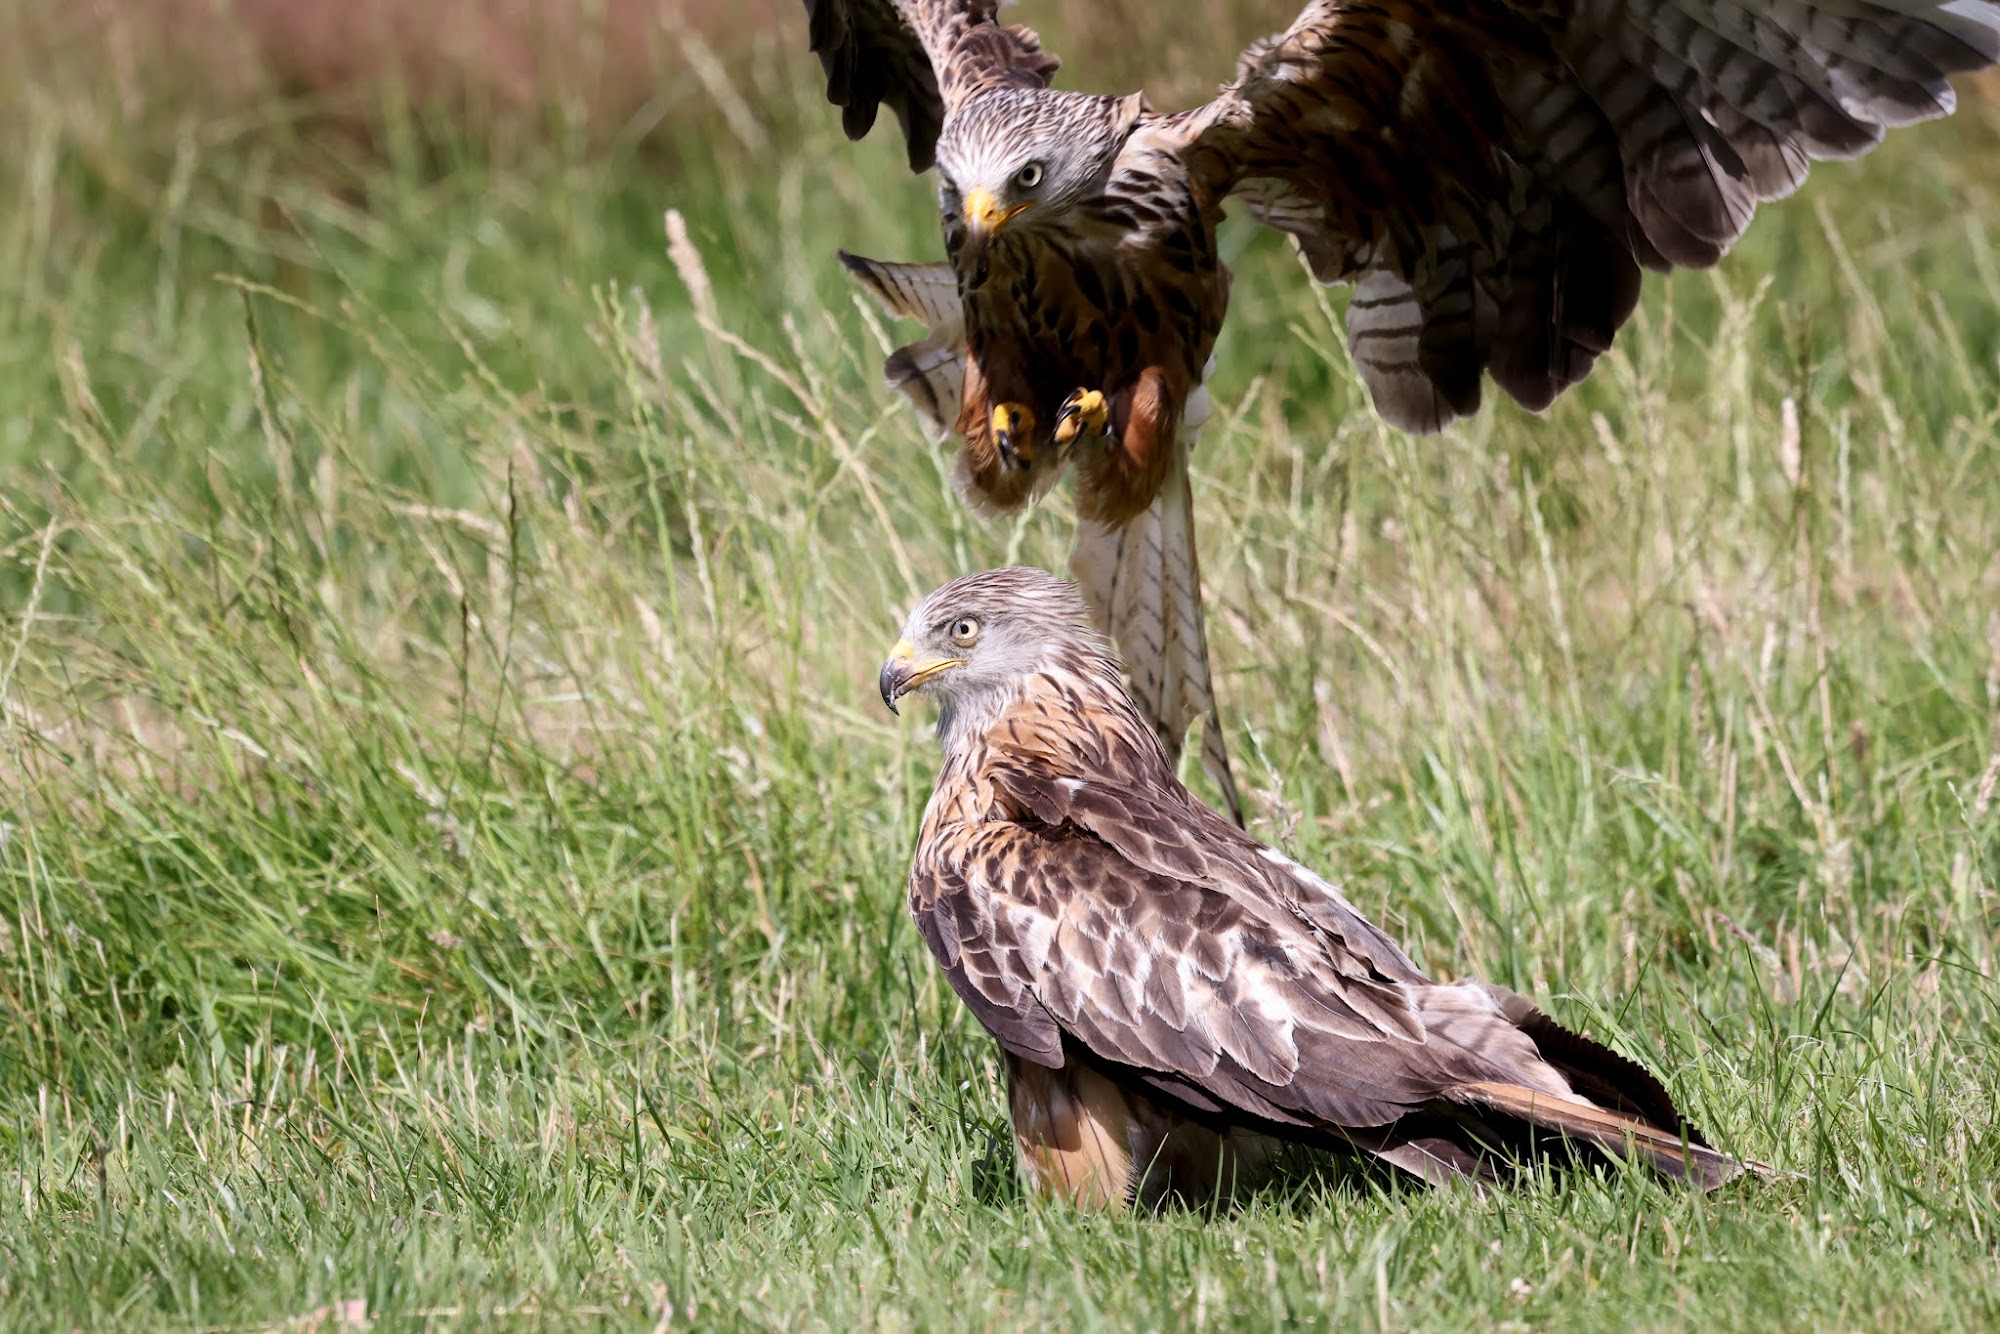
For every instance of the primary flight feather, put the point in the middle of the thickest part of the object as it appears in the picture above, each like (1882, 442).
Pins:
(1492, 176)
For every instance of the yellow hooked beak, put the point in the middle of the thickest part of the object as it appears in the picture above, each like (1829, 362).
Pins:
(903, 673)
(983, 212)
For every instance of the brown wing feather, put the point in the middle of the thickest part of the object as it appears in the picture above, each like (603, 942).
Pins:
(1164, 831)
(980, 957)
(1494, 173)
(1155, 974)
(929, 373)
(918, 59)
(1609, 1132)
(1096, 912)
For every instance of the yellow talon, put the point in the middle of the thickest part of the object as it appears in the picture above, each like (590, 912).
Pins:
(1013, 424)
(1083, 411)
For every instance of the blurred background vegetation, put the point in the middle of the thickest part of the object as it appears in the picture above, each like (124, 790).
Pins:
(451, 857)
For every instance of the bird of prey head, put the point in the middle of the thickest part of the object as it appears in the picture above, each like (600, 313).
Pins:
(972, 642)
(1021, 160)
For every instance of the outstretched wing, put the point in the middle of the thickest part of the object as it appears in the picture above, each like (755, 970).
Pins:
(918, 58)
(1493, 174)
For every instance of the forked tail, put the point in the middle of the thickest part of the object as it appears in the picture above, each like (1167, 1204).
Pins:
(1561, 1095)
(1143, 582)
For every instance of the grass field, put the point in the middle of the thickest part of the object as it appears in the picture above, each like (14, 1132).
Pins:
(451, 858)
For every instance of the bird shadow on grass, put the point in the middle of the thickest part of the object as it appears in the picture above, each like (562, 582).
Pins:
(1303, 1181)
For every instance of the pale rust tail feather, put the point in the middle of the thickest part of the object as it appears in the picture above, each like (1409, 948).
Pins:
(1609, 1079)
(1142, 580)
(1523, 1087)
(1620, 1136)
(930, 372)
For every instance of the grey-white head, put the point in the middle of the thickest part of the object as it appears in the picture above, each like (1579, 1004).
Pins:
(1022, 159)
(973, 643)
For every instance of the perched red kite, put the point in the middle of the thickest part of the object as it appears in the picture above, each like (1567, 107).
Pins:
(1174, 1000)
(1492, 175)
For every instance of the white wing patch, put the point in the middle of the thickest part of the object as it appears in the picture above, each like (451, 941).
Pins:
(1034, 933)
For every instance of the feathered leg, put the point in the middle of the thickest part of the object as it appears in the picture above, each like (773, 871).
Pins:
(1143, 582)
(1073, 1130)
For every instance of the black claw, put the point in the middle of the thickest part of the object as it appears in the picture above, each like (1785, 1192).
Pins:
(1071, 415)
(1004, 441)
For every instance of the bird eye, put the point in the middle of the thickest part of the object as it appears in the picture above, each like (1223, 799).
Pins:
(1028, 177)
(963, 631)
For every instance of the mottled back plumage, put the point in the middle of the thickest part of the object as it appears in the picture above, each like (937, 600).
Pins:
(1171, 997)
(1492, 176)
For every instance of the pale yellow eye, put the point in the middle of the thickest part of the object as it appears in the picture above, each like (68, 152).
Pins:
(963, 631)
(1028, 177)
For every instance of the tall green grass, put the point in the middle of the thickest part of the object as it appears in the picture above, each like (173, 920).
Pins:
(452, 855)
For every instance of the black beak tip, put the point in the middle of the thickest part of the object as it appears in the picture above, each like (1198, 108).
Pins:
(887, 683)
